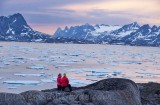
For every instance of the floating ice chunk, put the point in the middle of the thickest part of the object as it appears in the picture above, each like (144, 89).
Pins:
(96, 74)
(100, 70)
(23, 82)
(72, 61)
(12, 87)
(131, 62)
(20, 58)
(62, 65)
(74, 55)
(38, 66)
(108, 76)
(92, 79)
(24, 75)
(148, 73)
(0, 78)
(33, 59)
(48, 80)
(6, 63)
(56, 56)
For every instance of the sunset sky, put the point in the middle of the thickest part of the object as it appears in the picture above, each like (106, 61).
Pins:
(47, 15)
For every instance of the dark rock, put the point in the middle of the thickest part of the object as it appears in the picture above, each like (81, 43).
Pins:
(12, 99)
(37, 97)
(115, 91)
(105, 92)
(150, 93)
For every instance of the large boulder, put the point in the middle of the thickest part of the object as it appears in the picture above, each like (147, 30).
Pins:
(12, 99)
(150, 93)
(113, 91)
(34, 97)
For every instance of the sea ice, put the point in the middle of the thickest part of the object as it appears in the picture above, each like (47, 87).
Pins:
(20, 58)
(11, 87)
(96, 74)
(148, 73)
(48, 80)
(99, 70)
(131, 62)
(22, 82)
(61, 66)
(6, 63)
(37, 66)
(24, 75)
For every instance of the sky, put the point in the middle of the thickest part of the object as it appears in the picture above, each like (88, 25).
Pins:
(47, 15)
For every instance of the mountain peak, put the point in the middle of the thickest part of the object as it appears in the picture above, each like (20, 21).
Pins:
(146, 26)
(135, 24)
(15, 28)
(66, 28)
(16, 15)
(87, 24)
(154, 28)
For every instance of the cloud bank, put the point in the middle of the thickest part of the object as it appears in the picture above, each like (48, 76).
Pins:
(47, 15)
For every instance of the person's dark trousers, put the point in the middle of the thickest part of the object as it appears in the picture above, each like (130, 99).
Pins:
(69, 86)
(59, 88)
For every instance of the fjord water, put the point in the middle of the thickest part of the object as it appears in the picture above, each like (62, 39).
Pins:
(34, 66)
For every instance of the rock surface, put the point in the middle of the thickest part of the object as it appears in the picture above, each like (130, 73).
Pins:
(113, 91)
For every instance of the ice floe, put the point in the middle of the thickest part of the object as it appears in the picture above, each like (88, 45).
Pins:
(37, 66)
(48, 80)
(25, 75)
(6, 63)
(11, 87)
(21, 82)
(131, 62)
(148, 73)
(92, 70)
(96, 74)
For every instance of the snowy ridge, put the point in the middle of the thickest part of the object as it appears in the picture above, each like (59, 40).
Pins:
(104, 28)
(15, 28)
(132, 34)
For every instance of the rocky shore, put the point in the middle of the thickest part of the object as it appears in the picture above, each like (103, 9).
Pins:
(115, 91)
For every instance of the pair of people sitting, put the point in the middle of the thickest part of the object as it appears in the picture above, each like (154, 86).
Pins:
(63, 82)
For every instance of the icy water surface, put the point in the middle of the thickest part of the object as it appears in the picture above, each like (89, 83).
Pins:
(34, 66)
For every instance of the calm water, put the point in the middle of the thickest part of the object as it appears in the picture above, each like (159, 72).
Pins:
(34, 66)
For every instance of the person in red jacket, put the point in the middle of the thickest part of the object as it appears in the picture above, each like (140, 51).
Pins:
(59, 83)
(65, 82)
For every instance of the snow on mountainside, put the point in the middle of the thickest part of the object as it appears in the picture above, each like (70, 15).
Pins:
(104, 28)
(132, 34)
(15, 28)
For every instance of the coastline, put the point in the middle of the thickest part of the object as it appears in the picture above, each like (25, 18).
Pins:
(113, 91)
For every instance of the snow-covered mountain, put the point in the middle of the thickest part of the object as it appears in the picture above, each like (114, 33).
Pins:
(132, 34)
(15, 28)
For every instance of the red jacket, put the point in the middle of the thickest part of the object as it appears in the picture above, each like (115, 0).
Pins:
(59, 81)
(64, 81)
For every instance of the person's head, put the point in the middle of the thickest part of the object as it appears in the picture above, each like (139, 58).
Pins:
(59, 75)
(64, 74)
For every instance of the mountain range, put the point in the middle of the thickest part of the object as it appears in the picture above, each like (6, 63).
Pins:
(15, 28)
(129, 34)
